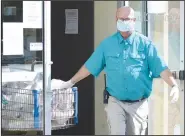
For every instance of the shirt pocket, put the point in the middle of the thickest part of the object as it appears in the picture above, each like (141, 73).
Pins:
(112, 61)
(138, 61)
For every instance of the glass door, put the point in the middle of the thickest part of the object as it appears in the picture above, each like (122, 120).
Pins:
(25, 67)
(166, 29)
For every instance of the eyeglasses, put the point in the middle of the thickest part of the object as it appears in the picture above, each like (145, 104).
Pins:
(126, 19)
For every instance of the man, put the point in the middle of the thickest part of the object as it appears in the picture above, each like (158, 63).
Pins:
(130, 61)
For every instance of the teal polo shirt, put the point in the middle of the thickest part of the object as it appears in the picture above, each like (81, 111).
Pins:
(130, 65)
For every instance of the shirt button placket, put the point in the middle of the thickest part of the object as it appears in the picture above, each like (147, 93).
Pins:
(125, 52)
(124, 55)
(117, 68)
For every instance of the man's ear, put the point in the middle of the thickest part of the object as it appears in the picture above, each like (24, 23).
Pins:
(116, 18)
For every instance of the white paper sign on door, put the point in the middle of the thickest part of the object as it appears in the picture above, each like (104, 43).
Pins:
(37, 46)
(71, 21)
(32, 14)
(13, 39)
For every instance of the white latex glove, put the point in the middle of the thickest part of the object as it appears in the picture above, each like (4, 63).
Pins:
(59, 84)
(175, 93)
(56, 83)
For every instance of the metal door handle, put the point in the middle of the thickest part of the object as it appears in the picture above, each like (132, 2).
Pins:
(181, 74)
(178, 74)
(50, 63)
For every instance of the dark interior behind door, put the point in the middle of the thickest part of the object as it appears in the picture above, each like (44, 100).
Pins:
(69, 52)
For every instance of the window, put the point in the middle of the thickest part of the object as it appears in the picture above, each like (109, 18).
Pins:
(12, 13)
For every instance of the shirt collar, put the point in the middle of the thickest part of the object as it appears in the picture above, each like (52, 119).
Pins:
(129, 40)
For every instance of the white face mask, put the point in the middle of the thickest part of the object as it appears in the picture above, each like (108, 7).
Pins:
(125, 26)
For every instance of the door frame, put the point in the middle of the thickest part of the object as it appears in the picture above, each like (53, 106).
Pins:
(47, 95)
(120, 4)
(0, 60)
(182, 66)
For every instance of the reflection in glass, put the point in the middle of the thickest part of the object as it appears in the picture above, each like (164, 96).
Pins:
(164, 30)
(174, 60)
(174, 35)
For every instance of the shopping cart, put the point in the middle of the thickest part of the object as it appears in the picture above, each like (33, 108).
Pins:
(22, 109)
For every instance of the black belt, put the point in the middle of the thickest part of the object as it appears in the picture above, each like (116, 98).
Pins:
(132, 101)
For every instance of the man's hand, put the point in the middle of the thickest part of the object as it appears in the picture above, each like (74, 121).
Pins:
(59, 84)
(67, 85)
(175, 93)
(169, 79)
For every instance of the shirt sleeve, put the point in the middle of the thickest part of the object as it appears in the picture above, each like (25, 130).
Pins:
(155, 61)
(95, 64)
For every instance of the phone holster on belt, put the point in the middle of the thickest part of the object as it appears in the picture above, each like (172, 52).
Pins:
(105, 93)
(105, 96)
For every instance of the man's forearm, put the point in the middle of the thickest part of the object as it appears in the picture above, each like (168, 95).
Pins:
(168, 78)
(81, 74)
